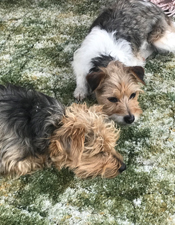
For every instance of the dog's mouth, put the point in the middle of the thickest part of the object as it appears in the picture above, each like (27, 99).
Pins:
(118, 172)
(123, 120)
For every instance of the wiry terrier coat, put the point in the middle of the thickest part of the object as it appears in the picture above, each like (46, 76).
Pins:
(37, 131)
(128, 33)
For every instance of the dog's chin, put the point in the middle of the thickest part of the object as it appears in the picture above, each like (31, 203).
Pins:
(120, 120)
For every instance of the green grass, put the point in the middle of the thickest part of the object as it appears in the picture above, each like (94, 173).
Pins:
(37, 42)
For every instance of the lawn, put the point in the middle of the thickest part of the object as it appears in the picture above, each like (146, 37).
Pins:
(37, 42)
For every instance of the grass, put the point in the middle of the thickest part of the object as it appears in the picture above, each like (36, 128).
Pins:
(37, 42)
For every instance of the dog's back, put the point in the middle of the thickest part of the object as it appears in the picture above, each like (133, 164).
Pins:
(27, 120)
(133, 20)
(128, 32)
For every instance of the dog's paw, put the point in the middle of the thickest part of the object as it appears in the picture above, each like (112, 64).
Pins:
(80, 93)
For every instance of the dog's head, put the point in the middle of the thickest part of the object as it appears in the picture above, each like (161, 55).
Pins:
(85, 143)
(117, 88)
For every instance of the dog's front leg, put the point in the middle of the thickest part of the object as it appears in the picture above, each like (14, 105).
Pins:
(81, 90)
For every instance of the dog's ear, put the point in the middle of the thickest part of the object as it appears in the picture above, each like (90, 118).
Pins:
(138, 73)
(68, 142)
(76, 144)
(95, 79)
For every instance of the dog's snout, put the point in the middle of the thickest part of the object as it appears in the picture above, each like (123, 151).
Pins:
(122, 168)
(129, 119)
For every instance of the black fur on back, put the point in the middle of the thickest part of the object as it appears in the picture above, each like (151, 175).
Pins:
(133, 20)
(29, 117)
(100, 61)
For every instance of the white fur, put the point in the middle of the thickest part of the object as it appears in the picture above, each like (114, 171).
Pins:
(99, 42)
(120, 119)
(167, 42)
(145, 50)
(146, 3)
(117, 118)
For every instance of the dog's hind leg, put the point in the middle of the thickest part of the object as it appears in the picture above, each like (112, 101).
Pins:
(165, 41)
(11, 161)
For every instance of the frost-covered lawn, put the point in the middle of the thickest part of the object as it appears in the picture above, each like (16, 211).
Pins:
(37, 41)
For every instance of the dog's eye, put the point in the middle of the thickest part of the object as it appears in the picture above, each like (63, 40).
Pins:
(113, 99)
(132, 95)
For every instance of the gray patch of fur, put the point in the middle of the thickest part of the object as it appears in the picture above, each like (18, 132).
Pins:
(135, 21)
(27, 120)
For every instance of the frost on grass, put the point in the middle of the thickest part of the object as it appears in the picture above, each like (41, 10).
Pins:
(37, 42)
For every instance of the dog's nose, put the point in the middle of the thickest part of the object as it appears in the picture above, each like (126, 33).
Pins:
(122, 168)
(129, 119)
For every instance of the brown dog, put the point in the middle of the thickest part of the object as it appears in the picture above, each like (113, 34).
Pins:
(127, 32)
(116, 88)
(37, 131)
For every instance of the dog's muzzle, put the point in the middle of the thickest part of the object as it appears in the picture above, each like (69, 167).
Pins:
(122, 168)
(129, 119)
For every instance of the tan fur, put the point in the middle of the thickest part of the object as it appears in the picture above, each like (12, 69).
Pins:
(12, 165)
(85, 143)
(119, 82)
(25, 166)
(159, 32)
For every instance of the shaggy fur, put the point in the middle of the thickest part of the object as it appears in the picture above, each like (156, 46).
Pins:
(37, 131)
(122, 84)
(127, 32)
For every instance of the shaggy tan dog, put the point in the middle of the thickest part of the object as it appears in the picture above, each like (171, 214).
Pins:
(37, 131)
(117, 88)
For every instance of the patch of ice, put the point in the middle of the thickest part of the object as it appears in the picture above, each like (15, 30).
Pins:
(137, 202)
(171, 220)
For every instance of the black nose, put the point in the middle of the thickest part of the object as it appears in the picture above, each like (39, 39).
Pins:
(129, 119)
(122, 168)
